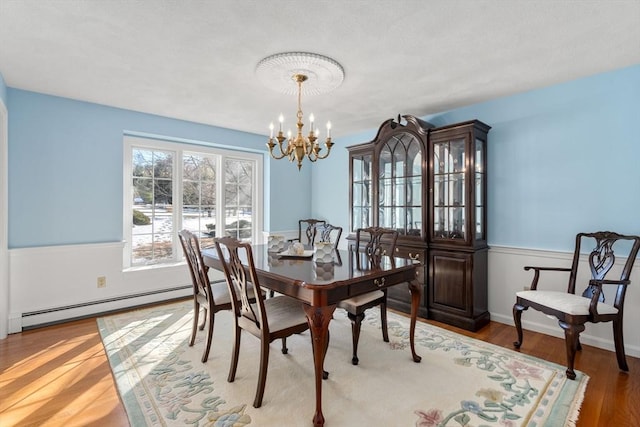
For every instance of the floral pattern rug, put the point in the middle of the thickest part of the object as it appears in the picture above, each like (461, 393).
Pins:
(459, 382)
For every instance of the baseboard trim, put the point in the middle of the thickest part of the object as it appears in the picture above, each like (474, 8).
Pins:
(56, 315)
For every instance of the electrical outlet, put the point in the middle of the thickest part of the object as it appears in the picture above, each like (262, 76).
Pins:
(102, 281)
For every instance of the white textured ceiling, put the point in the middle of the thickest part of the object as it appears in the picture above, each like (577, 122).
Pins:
(195, 60)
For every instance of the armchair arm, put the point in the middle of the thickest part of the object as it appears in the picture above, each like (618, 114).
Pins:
(536, 273)
(597, 282)
(595, 287)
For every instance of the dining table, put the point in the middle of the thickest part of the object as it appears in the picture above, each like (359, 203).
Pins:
(320, 284)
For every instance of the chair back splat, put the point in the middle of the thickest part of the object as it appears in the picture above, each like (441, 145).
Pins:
(574, 311)
(327, 233)
(307, 228)
(371, 243)
(210, 297)
(267, 319)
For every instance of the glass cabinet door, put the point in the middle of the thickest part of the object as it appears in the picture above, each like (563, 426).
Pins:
(361, 215)
(400, 184)
(479, 190)
(449, 189)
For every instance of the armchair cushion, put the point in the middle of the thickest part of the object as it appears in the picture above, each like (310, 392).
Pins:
(565, 302)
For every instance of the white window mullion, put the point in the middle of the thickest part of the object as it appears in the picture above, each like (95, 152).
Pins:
(177, 204)
(220, 197)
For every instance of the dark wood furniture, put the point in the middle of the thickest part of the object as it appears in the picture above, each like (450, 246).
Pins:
(307, 228)
(429, 184)
(297, 279)
(573, 311)
(328, 233)
(268, 319)
(210, 297)
(379, 241)
(458, 225)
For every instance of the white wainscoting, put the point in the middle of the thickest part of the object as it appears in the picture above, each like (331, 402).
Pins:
(55, 283)
(507, 276)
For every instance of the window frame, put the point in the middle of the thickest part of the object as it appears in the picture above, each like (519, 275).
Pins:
(178, 149)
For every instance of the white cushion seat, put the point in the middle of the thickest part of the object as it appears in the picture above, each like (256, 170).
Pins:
(565, 302)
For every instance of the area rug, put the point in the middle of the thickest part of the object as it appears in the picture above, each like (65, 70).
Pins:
(460, 381)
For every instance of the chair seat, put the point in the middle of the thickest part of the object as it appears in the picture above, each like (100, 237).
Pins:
(353, 303)
(284, 313)
(565, 302)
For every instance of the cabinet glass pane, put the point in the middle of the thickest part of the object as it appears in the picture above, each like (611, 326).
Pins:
(479, 187)
(457, 161)
(399, 160)
(439, 222)
(456, 222)
(414, 221)
(400, 189)
(456, 190)
(479, 221)
(414, 159)
(362, 168)
(479, 155)
(361, 192)
(385, 192)
(399, 220)
(386, 163)
(414, 191)
(479, 195)
(386, 218)
(448, 223)
(439, 190)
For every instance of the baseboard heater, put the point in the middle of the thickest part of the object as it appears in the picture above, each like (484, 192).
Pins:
(56, 315)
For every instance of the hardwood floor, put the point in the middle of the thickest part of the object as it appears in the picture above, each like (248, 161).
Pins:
(60, 376)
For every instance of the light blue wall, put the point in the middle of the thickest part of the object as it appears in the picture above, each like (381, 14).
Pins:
(562, 159)
(65, 168)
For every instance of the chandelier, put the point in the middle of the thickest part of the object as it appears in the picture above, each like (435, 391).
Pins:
(322, 74)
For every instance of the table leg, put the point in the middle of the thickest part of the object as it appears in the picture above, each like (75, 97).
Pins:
(415, 288)
(319, 318)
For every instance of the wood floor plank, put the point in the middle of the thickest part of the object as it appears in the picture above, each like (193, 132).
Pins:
(60, 376)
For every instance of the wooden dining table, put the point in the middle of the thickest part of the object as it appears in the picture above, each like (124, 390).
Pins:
(319, 286)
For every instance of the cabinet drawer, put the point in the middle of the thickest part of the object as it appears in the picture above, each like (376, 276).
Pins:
(417, 254)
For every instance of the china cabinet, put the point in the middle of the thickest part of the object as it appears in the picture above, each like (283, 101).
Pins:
(457, 264)
(429, 184)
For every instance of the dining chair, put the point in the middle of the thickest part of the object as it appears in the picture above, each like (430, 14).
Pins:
(211, 297)
(372, 243)
(574, 311)
(327, 233)
(307, 228)
(268, 319)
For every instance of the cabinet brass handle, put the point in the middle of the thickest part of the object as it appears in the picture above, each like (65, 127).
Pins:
(379, 282)
(414, 257)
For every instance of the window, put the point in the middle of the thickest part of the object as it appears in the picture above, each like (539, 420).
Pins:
(170, 186)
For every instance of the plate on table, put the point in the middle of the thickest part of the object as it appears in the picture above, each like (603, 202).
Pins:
(287, 254)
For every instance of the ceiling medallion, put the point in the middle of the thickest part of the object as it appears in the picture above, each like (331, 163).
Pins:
(323, 73)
